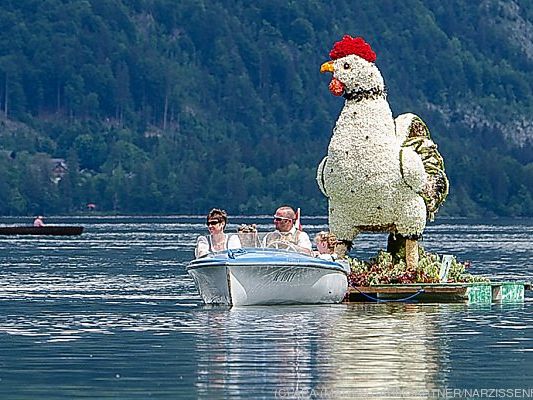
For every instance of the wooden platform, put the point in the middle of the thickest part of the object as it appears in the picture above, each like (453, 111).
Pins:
(490, 292)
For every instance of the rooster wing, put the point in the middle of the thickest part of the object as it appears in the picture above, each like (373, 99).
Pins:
(414, 134)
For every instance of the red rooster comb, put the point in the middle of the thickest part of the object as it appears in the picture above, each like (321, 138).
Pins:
(350, 45)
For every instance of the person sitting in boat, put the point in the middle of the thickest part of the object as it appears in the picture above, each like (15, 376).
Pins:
(286, 235)
(217, 240)
(38, 222)
(325, 244)
(248, 235)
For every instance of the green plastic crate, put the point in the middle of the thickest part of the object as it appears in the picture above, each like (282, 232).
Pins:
(480, 293)
(511, 292)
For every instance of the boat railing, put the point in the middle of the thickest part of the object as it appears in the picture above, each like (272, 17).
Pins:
(260, 240)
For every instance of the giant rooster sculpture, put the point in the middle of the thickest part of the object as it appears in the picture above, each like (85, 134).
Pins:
(381, 174)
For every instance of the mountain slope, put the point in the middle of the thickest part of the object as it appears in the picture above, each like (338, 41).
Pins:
(180, 106)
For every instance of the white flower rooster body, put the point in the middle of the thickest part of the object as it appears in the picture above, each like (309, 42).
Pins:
(381, 173)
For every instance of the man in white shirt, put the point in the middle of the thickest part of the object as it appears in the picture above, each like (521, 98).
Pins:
(286, 232)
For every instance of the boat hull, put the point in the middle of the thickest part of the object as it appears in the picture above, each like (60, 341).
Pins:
(57, 230)
(268, 277)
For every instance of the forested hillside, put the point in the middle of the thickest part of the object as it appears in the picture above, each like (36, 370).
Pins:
(164, 106)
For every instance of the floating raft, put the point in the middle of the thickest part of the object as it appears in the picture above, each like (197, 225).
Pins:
(471, 293)
(55, 230)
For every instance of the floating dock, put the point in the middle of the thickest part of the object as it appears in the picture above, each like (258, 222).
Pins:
(471, 293)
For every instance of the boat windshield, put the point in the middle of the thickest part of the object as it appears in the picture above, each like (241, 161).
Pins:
(271, 240)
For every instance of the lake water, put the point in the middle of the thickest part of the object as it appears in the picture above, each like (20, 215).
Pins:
(113, 314)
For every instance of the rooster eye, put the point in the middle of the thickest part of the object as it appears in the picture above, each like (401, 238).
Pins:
(346, 66)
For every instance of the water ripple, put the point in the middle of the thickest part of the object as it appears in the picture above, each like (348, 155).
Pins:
(113, 314)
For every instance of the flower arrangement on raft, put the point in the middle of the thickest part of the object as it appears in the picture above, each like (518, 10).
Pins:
(384, 268)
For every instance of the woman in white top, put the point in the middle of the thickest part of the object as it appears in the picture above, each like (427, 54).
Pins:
(217, 240)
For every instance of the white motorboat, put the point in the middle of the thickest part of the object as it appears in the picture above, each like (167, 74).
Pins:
(265, 276)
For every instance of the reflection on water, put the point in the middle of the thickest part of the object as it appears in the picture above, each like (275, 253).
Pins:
(387, 350)
(278, 345)
(361, 350)
(336, 349)
(113, 314)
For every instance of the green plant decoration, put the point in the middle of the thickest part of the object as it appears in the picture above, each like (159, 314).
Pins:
(386, 269)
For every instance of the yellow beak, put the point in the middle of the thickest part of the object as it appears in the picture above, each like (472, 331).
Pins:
(327, 67)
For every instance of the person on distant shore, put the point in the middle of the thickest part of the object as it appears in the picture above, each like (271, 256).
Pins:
(325, 244)
(217, 240)
(38, 222)
(286, 232)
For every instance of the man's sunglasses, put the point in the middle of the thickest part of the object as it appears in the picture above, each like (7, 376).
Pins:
(211, 223)
(279, 219)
